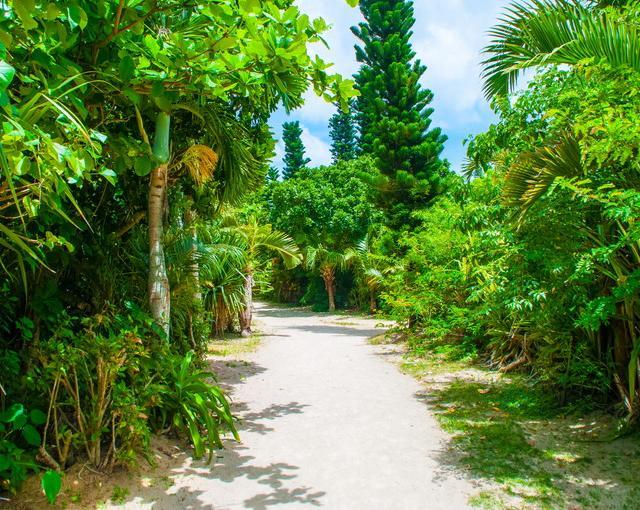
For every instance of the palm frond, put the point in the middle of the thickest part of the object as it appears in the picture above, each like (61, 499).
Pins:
(533, 173)
(200, 162)
(554, 32)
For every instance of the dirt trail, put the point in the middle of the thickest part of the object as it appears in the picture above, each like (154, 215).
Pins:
(327, 422)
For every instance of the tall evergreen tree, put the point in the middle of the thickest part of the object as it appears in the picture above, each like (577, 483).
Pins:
(273, 174)
(393, 109)
(294, 159)
(342, 131)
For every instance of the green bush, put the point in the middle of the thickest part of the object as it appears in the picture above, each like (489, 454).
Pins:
(19, 442)
(194, 406)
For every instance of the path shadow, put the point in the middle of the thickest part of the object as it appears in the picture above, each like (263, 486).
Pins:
(180, 482)
(187, 484)
(252, 421)
(512, 435)
(231, 372)
(337, 330)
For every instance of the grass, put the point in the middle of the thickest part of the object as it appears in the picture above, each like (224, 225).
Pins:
(485, 423)
(119, 495)
(228, 347)
(525, 451)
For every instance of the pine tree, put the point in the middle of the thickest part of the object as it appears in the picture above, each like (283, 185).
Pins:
(342, 131)
(294, 159)
(393, 109)
(272, 174)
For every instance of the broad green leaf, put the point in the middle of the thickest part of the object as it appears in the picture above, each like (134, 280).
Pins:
(31, 435)
(12, 414)
(127, 68)
(133, 96)
(143, 166)
(151, 44)
(76, 17)
(51, 484)
(7, 72)
(110, 175)
(25, 9)
(38, 417)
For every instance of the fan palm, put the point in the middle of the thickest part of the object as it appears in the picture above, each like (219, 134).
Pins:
(552, 32)
(568, 32)
(256, 242)
(370, 269)
(328, 261)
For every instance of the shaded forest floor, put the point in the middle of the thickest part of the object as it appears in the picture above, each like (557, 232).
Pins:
(523, 450)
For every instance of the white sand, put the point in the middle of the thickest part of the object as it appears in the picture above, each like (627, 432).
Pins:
(328, 423)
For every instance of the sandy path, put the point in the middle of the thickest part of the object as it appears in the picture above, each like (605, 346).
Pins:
(328, 422)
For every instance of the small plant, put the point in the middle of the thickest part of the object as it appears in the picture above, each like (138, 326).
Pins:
(19, 439)
(119, 495)
(196, 407)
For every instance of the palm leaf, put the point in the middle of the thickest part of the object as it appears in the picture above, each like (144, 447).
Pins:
(554, 32)
(533, 173)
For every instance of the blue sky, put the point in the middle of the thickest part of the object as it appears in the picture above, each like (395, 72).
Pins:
(448, 38)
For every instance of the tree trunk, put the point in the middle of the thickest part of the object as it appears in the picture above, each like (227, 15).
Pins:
(246, 315)
(329, 277)
(159, 293)
(159, 296)
(189, 219)
(373, 304)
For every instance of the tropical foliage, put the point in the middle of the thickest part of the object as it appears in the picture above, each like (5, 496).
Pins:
(129, 127)
(139, 212)
(530, 261)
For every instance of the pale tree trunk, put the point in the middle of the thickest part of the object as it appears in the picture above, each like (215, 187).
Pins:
(159, 296)
(373, 305)
(195, 272)
(329, 277)
(246, 315)
(159, 293)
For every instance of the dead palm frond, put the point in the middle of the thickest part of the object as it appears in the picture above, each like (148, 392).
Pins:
(200, 161)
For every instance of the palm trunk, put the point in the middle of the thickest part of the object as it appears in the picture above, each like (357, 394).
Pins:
(329, 277)
(373, 304)
(159, 293)
(195, 273)
(246, 315)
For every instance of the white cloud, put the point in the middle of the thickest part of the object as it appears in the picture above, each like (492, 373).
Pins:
(453, 71)
(448, 38)
(315, 110)
(317, 149)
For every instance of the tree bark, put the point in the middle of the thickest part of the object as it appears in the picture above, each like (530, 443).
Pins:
(329, 277)
(373, 304)
(159, 295)
(246, 315)
(159, 292)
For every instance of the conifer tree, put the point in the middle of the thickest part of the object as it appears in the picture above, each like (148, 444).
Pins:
(342, 131)
(294, 159)
(393, 109)
(272, 174)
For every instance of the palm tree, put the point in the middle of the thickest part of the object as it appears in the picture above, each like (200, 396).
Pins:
(226, 154)
(328, 262)
(370, 270)
(257, 242)
(553, 32)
